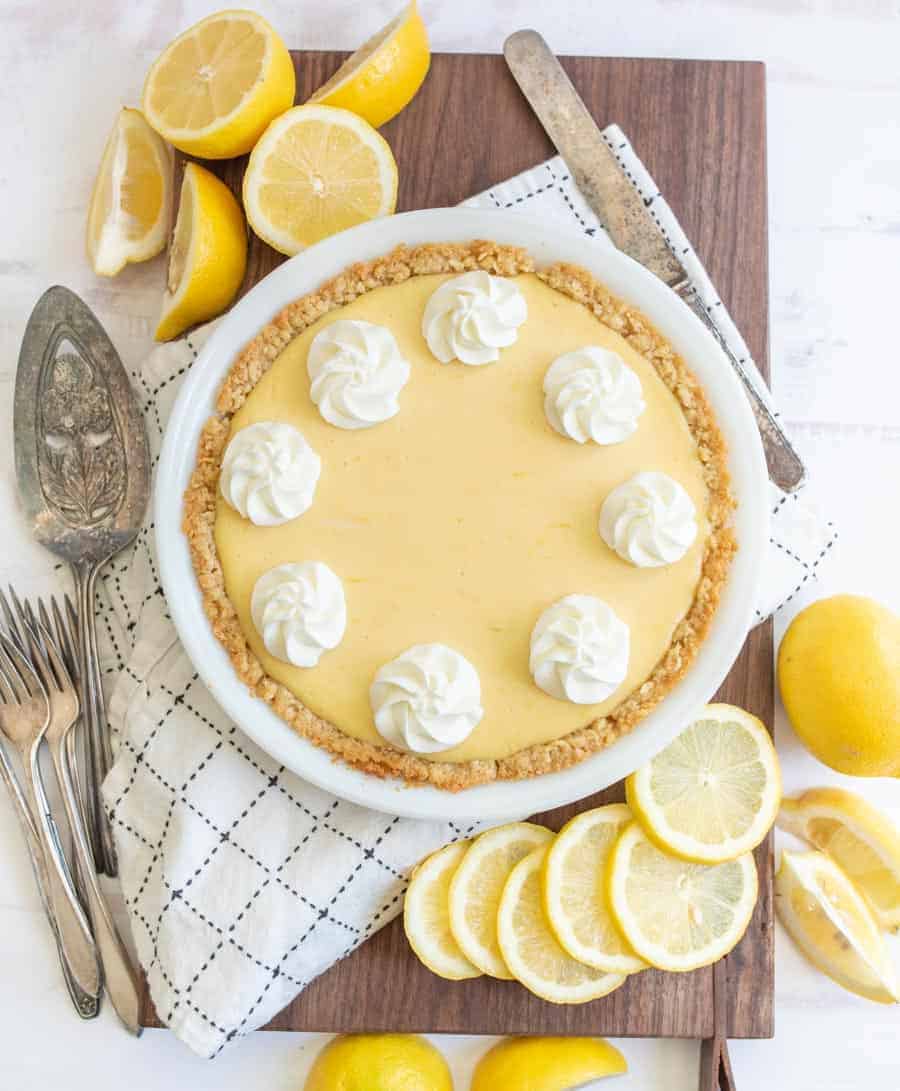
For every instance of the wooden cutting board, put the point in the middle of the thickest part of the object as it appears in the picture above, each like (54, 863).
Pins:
(699, 126)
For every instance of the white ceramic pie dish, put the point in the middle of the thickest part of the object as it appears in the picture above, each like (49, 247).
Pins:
(547, 242)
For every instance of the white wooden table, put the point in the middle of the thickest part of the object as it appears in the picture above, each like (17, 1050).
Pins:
(834, 169)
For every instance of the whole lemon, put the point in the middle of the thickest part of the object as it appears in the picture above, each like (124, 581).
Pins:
(379, 1062)
(839, 676)
(546, 1064)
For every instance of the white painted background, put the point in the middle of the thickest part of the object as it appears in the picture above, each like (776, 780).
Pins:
(834, 170)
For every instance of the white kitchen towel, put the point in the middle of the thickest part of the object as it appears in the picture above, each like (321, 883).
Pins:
(242, 881)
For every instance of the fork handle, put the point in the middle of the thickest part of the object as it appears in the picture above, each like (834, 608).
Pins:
(120, 979)
(87, 1006)
(72, 927)
(93, 712)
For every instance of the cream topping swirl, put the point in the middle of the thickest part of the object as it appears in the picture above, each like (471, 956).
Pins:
(427, 699)
(649, 520)
(300, 612)
(592, 394)
(269, 473)
(471, 317)
(356, 373)
(579, 650)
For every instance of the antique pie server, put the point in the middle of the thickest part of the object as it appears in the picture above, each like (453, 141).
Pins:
(83, 468)
(622, 212)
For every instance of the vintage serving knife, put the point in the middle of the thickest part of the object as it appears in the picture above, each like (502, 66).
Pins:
(621, 210)
(83, 468)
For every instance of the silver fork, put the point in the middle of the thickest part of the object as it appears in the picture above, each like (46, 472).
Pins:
(120, 979)
(24, 718)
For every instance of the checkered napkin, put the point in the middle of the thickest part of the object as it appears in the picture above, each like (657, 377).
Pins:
(242, 881)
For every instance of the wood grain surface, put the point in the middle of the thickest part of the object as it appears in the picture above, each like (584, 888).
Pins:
(699, 127)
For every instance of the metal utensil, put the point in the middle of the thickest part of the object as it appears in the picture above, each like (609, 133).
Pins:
(24, 717)
(83, 468)
(119, 976)
(622, 212)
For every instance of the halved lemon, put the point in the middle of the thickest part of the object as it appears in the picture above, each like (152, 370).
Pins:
(575, 896)
(477, 885)
(546, 1064)
(864, 844)
(128, 219)
(426, 917)
(316, 171)
(675, 914)
(216, 87)
(832, 924)
(208, 256)
(530, 949)
(713, 793)
(381, 77)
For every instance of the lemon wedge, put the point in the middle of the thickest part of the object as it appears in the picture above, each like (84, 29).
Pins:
(575, 896)
(381, 77)
(832, 924)
(216, 87)
(713, 793)
(379, 1062)
(208, 256)
(316, 171)
(546, 1064)
(426, 917)
(678, 915)
(860, 840)
(128, 219)
(476, 888)
(532, 952)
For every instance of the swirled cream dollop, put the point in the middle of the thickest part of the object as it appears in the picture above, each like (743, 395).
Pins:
(579, 650)
(592, 394)
(649, 520)
(427, 699)
(300, 612)
(269, 473)
(356, 373)
(471, 317)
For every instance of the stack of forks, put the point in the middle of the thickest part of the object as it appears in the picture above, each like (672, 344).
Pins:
(39, 711)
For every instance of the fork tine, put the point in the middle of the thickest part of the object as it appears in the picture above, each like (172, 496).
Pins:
(10, 619)
(43, 615)
(38, 653)
(8, 669)
(6, 690)
(52, 655)
(30, 681)
(61, 634)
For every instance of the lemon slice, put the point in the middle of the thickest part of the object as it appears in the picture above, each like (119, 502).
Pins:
(713, 793)
(864, 844)
(128, 219)
(678, 915)
(208, 254)
(316, 171)
(217, 86)
(476, 888)
(575, 896)
(832, 924)
(381, 77)
(426, 918)
(532, 952)
(546, 1064)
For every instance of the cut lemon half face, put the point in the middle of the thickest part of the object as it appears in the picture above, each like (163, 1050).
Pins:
(531, 950)
(381, 77)
(476, 888)
(713, 793)
(575, 895)
(426, 917)
(217, 86)
(832, 924)
(208, 255)
(675, 914)
(128, 219)
(316, 171)
(860, 840)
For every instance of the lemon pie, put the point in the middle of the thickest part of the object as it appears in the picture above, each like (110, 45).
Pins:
(459, 518)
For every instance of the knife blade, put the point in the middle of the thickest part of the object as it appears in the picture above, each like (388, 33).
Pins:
(621, 210)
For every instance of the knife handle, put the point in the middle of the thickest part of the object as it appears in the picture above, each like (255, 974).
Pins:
(785, 466)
